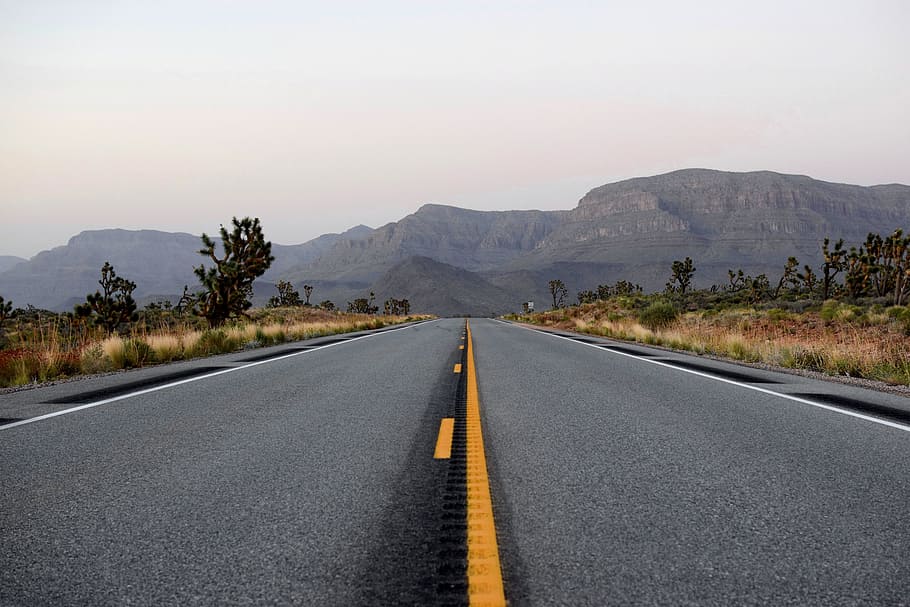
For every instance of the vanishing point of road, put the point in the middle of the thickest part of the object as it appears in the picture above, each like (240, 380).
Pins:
(454, 463)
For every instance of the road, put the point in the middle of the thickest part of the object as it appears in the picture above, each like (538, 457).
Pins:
(305, 474)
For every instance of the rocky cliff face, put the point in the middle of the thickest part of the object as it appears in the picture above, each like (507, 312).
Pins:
(474, 240)
(721, 218)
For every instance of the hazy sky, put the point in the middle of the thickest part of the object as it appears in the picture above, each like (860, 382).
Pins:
(316, 116)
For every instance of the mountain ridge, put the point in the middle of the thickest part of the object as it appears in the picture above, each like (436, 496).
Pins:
(631, 230)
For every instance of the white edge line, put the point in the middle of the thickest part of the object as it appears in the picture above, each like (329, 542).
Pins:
(868, 418)
(113, 399)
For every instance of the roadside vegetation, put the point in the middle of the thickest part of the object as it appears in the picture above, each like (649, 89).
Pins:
(42, 346)
(850, 318)
(107, 332)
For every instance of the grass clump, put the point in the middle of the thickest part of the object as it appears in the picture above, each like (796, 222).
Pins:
(658, 315)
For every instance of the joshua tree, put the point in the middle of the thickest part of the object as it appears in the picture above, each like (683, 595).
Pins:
(834, 264)
(307, 291)
(559, 292)
(587, 296)
(228, 284)
(809, 279)
(6, 308)
(287, 295)
(790, 277)
(681, 279)
(362, 305)
(113, 305)
(738, 281)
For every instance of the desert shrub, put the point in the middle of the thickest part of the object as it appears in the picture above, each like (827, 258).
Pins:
(777, 315)
(62, 363)
(804, 358)
(165, 348)
(214, 341)
(127, 353)
(836, 311)
(658, 315)
(93, 360)
(19, 366)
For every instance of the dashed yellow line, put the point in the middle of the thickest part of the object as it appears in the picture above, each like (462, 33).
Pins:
(485, 586)
(444, 440)
(457, 367)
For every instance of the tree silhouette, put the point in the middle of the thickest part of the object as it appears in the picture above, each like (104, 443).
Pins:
(113, 305)
(228, 284)
(559, 292)
(681, 278)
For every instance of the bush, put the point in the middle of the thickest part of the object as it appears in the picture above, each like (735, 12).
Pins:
(19, 367)
(215, 341)
(128, 353)
(92, 360)
(834, 310)
(658, 315)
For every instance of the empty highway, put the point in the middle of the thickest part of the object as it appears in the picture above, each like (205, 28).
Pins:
(571, 471)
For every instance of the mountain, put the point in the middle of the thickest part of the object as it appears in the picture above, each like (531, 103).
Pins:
(290, 257)
(445, 289)
(160, 263)
(8, 261)
(629, 230)
(475, 240)
(722, 220)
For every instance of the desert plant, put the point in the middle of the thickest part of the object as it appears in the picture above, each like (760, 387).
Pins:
(558, 292)
(6, 308)
(113, 305)
(658, 315)
(834, 263)
(287, 295)
(228, 284)
(681, 276)
(362, 305)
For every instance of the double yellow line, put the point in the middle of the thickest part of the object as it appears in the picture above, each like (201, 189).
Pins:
(485, 588)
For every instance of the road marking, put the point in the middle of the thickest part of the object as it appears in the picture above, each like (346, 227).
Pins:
(457, 367)
(485, 586)
(804, 401)
(461, 347)
(106, 401)
(444, 440)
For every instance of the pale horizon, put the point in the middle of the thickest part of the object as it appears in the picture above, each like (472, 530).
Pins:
(316, 118)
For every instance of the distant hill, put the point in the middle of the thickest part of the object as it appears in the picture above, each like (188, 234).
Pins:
(8, 261)
(445, 289)
(160, 263)
(630, 230)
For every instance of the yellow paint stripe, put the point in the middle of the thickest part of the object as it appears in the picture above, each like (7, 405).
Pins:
(457, 367)
(461, 347)
(485, 586)
(444, 440)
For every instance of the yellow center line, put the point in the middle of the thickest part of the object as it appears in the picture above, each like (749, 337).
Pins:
(461, 347)
(485, 586)
(457, 367)
(444, 440)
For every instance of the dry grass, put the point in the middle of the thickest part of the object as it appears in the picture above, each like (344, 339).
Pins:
(838, 340)
(45, 355)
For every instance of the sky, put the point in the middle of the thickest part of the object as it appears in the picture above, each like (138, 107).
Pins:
(318, 116)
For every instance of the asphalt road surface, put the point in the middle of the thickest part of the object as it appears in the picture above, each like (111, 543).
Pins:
(305, 474)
